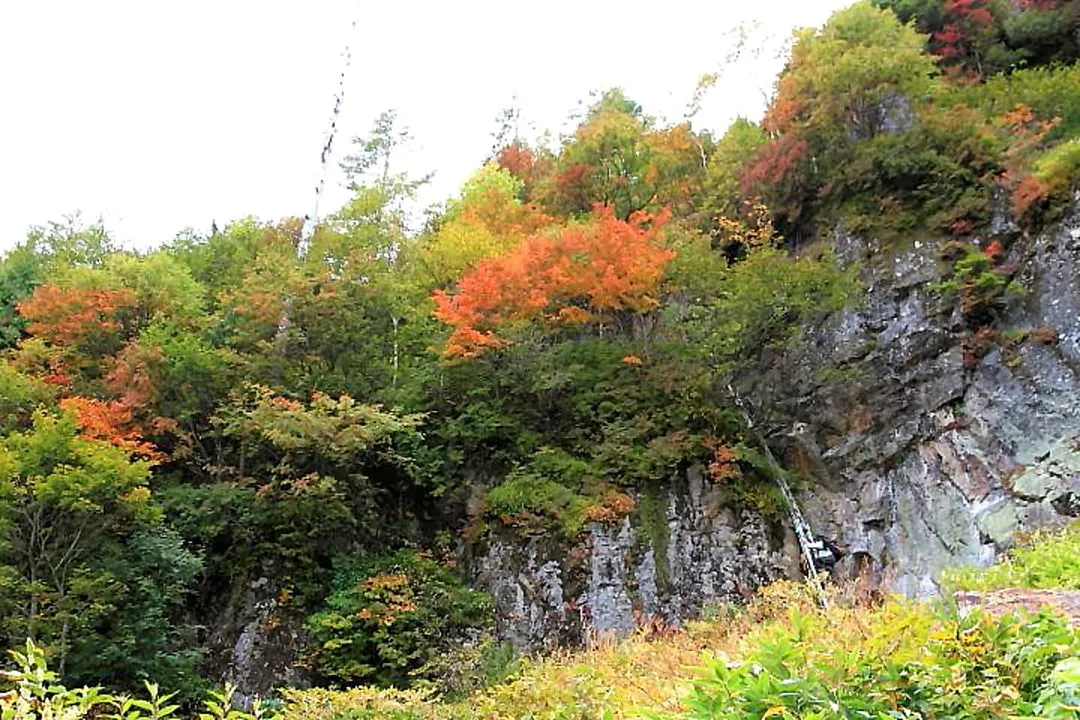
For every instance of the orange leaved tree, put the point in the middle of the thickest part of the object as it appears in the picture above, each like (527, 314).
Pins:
(581, 275)
(66, 316)
(111, 422)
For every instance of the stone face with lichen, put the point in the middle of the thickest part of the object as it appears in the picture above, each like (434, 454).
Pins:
(956, 457)
(258, 644)
(623, 575)
(914, 459)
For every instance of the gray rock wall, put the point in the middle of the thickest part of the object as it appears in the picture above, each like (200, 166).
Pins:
(692, 548)
(925, 456)
(918, 456)
(256, 644)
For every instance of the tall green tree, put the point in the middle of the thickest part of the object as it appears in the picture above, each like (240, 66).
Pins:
(79, 522)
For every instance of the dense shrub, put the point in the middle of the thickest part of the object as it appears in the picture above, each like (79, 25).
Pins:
(1050, 92)
(1055, 174)
(389, 617)
(936, 174)
(978, 39)
(535, 504)
(906, 662)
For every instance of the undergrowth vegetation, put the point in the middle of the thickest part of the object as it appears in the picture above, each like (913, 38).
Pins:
(781, 656)
(1044, 560)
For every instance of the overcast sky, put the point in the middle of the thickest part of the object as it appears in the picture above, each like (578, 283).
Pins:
(160, 116)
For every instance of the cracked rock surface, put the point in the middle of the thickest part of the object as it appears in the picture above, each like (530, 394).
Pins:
(916, 458)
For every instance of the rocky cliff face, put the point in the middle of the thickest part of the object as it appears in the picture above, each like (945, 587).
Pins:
(257, 644)
(928, 453)
(687, 548)
(919, 453)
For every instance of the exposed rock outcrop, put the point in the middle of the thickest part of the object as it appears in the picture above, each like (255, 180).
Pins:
(686, 547)
(924, 456)
(257, 644)
(918, 454)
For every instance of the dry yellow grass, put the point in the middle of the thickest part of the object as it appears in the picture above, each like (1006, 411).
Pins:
(648, 673)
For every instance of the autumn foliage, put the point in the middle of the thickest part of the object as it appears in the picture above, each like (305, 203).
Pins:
(957, 39)
(65, 316)
(774, 164)
(521, 162)
(573, 278)
(132, 376)
(491, 211)
(1027, 134)
(723, 465)
(611, 507)
(111, 422)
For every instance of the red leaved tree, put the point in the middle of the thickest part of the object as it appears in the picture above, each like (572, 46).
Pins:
(961, 43)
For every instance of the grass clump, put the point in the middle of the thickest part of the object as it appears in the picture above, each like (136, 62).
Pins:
(1043, 561)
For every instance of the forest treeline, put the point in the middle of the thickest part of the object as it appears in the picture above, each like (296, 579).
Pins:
(332, 412)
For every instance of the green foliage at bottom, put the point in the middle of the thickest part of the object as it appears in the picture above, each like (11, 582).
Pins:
(912, 664)
(1046, 560)
(914, 661)
(33, 692)
(391, 617)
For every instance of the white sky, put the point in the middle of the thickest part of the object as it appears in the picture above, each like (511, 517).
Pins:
(160, 116)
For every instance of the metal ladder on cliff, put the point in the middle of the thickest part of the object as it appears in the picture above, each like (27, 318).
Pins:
(811, 550)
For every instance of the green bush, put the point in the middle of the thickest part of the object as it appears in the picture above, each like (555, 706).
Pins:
(972, 277)
(391, 616)
(20, 395)
(1059, 167)
(933, 175)
(767, 301)
(1049, 91)
(912, 660)
(540, 495)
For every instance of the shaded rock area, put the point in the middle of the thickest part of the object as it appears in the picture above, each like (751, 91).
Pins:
(257, 644)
